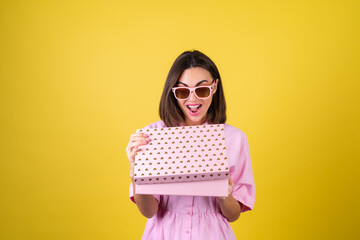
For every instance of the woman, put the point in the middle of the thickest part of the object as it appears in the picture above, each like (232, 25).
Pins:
(193, 95)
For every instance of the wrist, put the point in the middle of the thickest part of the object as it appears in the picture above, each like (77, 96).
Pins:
(223, 198)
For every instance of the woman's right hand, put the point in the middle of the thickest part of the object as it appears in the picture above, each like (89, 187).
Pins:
(136, 140)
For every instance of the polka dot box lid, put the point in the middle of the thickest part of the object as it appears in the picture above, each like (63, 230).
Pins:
(182, 154)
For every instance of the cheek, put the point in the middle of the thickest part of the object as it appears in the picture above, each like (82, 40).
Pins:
(208, 102)
(181, 105)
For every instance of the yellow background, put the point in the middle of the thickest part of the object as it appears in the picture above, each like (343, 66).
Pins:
(78, 77)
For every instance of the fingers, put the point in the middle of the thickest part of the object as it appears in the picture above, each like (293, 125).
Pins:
(132, 161)
(131, 156)
(231, 183)
(138, 136)
(230, 186)
(137, 139)
(133, 153)
(131, 145)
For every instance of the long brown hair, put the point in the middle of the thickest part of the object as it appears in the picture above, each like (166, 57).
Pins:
(169, 109)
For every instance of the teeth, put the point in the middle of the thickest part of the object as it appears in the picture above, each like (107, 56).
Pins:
(193, 106)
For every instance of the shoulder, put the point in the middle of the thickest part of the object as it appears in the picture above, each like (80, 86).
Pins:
(237, 147)
(156, 124)
(234, 133)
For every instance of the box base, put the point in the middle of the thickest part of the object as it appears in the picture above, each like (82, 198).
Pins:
(212, 188)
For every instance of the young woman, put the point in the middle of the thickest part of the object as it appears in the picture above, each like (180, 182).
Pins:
(193, 95)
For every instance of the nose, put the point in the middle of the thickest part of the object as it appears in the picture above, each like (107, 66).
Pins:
(192, 96)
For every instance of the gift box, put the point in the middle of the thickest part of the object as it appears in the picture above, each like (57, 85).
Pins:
(213, 188)
(181, 155)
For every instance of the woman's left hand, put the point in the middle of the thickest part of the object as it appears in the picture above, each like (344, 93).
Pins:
(230, 186)
(230, 207)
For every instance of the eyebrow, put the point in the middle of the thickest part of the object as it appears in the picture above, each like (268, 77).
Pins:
(196, 84)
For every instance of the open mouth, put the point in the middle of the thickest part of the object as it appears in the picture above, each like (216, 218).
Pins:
(194, 109)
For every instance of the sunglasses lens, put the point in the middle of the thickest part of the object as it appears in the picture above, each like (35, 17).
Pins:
(182, 93)
(202, 92)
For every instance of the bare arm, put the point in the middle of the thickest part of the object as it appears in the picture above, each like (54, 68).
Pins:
(147, 204)
(229, 206)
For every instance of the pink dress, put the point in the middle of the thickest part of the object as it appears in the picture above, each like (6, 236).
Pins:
(195, 217)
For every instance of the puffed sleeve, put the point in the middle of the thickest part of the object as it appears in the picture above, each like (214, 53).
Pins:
(240, 168)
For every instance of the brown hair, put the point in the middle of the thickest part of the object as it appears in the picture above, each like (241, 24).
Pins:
(169, 109)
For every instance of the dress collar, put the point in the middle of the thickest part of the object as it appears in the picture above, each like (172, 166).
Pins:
(182, 125)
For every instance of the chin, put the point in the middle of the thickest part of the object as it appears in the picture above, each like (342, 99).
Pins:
(197, 120)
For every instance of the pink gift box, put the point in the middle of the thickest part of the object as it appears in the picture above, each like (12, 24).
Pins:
(179, 155)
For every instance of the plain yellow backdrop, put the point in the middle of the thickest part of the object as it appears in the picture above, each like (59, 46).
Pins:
(78, 77)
